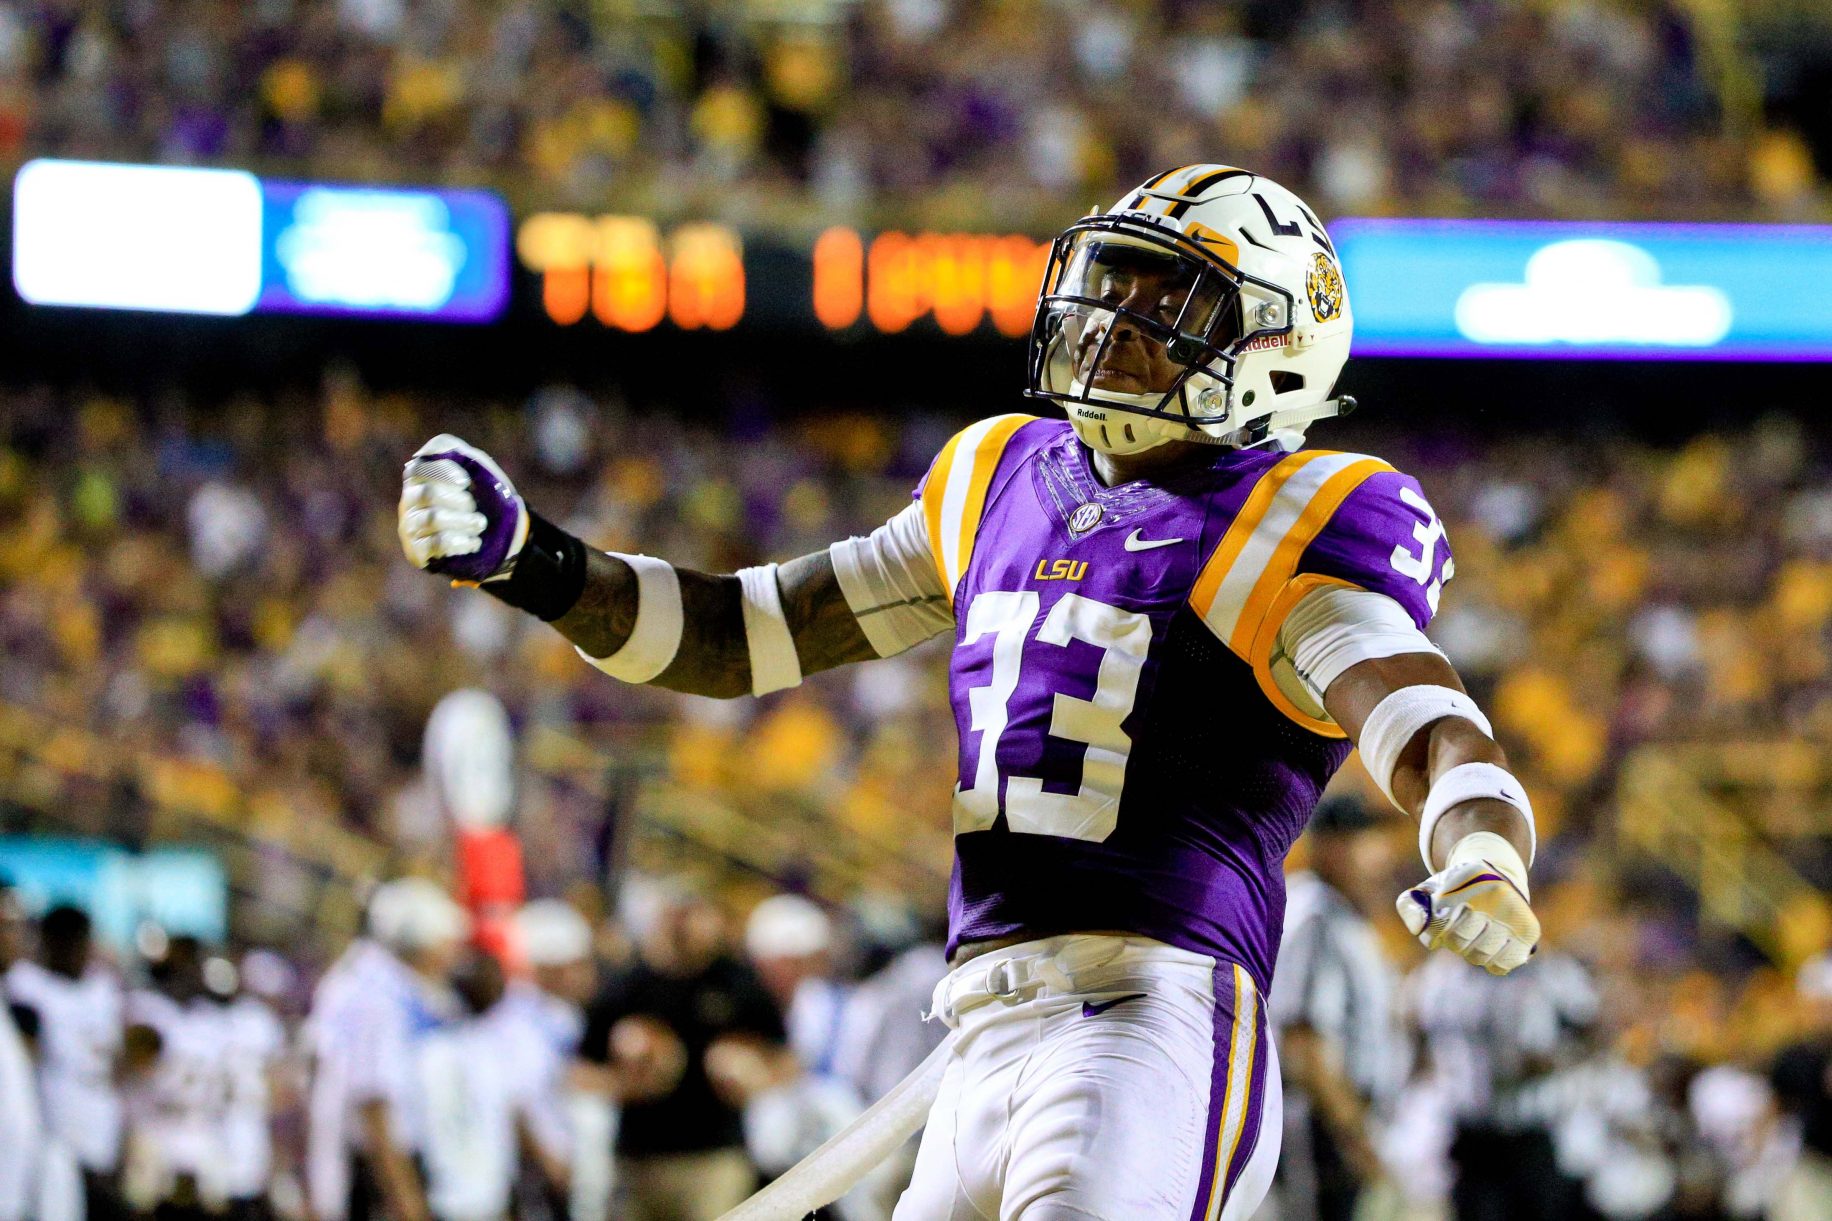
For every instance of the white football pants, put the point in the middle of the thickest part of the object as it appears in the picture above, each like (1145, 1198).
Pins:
(1104, 1077)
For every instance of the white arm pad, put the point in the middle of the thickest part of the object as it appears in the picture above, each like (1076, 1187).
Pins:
(1470, 782)
(774, 662)
(1401, 715)
(656, 637)
(891, 584)
(1333, 628)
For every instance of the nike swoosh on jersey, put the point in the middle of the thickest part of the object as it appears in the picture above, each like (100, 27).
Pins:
(1135, 543)
(1089, 1009)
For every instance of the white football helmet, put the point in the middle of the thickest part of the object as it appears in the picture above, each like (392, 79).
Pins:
(1211, 304)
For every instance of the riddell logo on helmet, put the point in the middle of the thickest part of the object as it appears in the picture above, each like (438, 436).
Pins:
(1264, 342)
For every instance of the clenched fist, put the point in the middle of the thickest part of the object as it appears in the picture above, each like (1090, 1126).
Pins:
(1476, 906)
(459, 515)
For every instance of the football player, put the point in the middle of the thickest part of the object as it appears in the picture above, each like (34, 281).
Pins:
(1170, 622)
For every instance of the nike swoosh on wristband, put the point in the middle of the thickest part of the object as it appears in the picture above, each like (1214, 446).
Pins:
(1088, 1009)
(1135, 543)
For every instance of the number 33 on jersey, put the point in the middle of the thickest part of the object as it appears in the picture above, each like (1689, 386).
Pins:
(1133, 752)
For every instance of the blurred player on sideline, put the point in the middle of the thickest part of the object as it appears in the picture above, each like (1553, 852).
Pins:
(1495, 1046)
(687, 1036)
(570, 1129)
(78, 1004)
(177, 1163)
(255, 1045)
(791, 944)
(366, 1114)
(21, 1125)
(472, 1088)
(1170, 622)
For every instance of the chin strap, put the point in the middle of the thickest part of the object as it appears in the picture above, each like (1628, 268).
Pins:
(1301, 417)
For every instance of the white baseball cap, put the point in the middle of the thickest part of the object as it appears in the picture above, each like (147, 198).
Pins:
(787, 926)
(553, 933)
(410, 914)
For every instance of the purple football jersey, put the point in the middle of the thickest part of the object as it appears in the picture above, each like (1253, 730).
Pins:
(1122, 766)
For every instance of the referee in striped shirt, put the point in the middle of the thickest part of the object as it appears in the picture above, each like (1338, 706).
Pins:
(1341, 1047)
(1503, 1050)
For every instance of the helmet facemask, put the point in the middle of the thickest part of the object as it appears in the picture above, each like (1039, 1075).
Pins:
(1138, 319)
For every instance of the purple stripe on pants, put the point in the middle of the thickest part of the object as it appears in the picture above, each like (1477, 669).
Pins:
(1243, 1133)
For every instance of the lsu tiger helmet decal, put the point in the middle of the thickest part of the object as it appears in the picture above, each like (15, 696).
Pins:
(1206, 305)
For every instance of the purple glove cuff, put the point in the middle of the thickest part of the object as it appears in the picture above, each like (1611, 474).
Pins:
(501, 507)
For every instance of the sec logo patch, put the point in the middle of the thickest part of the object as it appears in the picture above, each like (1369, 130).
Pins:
(1084, 518)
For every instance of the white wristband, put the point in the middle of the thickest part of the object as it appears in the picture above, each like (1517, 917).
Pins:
(656, 637)
(1401, 715)
(1471, 782)
(774, 664)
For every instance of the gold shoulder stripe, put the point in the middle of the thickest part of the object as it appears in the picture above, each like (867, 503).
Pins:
(1285, 512)
(1208, 581)
(985, 462)
(1284, 562)
(932, 495)
(954, 499)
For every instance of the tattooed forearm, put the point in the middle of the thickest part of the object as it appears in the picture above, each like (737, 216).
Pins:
(825, 629)
(714, 657)
(605, 614)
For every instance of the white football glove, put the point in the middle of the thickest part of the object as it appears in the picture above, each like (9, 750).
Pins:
(1476, 906)
(459, 514)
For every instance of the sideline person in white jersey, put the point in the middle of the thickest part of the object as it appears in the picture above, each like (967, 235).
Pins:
(21, 1125)
(474, 1089)
(366, 1122)
(1171, 622)
(570, 1130)
(256, 1044)
(176, 1161)
(78, 1003)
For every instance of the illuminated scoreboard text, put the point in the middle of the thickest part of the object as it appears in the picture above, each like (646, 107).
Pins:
(631, 275)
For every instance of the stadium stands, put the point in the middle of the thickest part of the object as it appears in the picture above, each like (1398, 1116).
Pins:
(1007, 113)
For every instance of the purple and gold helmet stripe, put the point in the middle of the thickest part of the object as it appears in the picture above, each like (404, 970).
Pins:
(1192, 194)
(1177, 199)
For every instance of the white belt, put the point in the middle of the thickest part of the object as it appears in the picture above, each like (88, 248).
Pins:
(1058, 966)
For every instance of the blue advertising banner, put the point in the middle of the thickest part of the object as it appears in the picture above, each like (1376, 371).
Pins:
(182, 890)
(199, 241)
(1588, 291)
(441, 255)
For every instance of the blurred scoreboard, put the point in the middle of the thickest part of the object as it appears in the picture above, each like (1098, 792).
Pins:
(225, 242)
(628, 273)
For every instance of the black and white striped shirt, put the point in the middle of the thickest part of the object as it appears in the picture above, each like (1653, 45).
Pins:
(1333, 978)
(1494, 1041)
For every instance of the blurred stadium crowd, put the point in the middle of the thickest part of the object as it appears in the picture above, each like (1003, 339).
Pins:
(217, 593)
(944, 112)
(207, 632)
